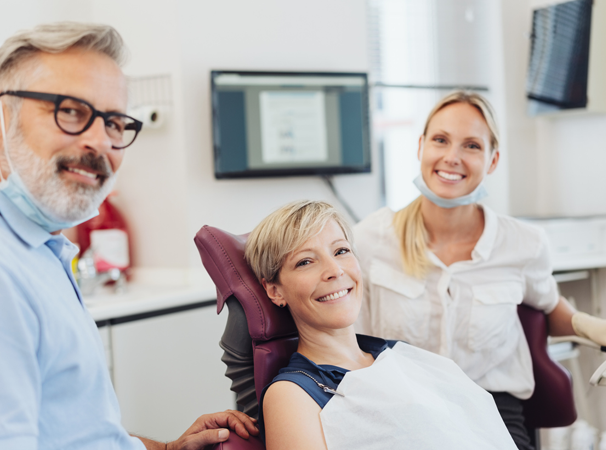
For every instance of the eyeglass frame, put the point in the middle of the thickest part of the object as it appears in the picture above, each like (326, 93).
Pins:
(57, 99)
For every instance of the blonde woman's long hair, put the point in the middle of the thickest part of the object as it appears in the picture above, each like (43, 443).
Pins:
(408, 222)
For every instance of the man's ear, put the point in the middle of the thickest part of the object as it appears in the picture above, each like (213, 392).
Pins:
(274, 293)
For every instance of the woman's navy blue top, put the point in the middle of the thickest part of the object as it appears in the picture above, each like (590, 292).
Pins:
(326, 374)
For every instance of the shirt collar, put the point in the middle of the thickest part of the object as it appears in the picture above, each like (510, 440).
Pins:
(29, 231)
(485, 244)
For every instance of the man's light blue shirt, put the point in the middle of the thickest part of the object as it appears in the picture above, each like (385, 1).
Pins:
(55, 390)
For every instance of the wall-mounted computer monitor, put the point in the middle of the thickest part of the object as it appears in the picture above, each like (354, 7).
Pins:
(558, 73)
(289, 123)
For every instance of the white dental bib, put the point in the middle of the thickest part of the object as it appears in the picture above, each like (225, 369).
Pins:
(412, 399)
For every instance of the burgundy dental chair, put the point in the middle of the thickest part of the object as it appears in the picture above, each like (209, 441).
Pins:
(259, 339)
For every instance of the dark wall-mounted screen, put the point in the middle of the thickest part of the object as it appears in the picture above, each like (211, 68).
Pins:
(284, 123)
(559, 56)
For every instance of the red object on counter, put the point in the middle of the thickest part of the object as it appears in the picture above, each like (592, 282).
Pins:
(108, 234)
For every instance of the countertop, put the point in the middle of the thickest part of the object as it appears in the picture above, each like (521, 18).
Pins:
(143, 297)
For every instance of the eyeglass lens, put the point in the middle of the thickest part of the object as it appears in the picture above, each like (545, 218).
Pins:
(73, 116)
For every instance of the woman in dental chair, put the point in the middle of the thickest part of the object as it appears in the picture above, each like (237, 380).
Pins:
(347, 391)
(446, 274)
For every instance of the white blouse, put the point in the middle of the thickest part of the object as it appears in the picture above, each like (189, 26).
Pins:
(466, 311)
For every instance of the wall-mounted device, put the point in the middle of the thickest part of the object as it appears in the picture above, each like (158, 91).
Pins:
(567, 66)
(150, 99)
(289, 123)
(151, 116)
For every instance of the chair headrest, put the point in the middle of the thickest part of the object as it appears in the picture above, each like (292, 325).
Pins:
(222, 254)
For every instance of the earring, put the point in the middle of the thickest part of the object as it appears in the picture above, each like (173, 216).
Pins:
(282, 305)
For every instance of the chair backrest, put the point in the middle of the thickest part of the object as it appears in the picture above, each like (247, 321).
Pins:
(552, 402)
(273, 334)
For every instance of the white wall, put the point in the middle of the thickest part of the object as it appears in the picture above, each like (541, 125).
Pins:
(167, 184)
(573, 152)
(556, 163)
(521, 130)
(470, 52)
(270, 35)
(152, 185)
(18, 15)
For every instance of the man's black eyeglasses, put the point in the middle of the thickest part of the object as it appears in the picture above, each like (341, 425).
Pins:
(75, 116)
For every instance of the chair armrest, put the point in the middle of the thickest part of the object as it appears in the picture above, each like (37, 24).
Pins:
(235, 442)
(575, 339)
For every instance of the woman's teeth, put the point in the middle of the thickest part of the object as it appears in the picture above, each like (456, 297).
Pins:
(90, 175)
(334, 296)
(450, 176)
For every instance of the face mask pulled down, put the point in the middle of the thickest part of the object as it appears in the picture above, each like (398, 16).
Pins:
(473, 197)
(18, 193)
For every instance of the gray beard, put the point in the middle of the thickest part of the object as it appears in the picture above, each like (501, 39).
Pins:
(62, 200)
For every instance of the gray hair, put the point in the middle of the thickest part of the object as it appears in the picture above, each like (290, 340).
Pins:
(55, 38)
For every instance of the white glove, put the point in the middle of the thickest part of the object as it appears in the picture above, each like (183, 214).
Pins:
(589, 327)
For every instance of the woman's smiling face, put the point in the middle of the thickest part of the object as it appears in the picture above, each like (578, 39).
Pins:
(321, 282)
(455, 153)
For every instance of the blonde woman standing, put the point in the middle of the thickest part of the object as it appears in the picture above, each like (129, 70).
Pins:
(446, 274)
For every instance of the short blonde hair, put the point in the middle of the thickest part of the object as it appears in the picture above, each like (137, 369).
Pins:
(285, 230)
(408, 222)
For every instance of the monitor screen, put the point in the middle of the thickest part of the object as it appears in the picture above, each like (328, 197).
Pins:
(289, 123)
(559, 56)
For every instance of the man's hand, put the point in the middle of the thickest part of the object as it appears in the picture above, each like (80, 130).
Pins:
(213, 428)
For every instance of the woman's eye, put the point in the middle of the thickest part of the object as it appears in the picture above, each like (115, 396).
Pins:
(342, 251)
(303, 263)
(474, 146)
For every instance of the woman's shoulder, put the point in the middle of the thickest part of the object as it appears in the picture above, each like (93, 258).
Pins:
(311, 378)
(514, 233)
(378, 219)
(291, 418)
(292, 388)
(374, 230)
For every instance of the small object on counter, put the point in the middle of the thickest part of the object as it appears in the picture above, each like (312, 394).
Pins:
(87, 273)
(110, 249)
(108, 237)
(89, 279)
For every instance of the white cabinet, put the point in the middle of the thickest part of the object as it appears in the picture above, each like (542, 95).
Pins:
(167, 371)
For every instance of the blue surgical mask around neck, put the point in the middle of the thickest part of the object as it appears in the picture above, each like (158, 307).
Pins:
(16, 191)
(473, 197)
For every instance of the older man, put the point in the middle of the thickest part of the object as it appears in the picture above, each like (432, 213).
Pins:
(64, 130)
